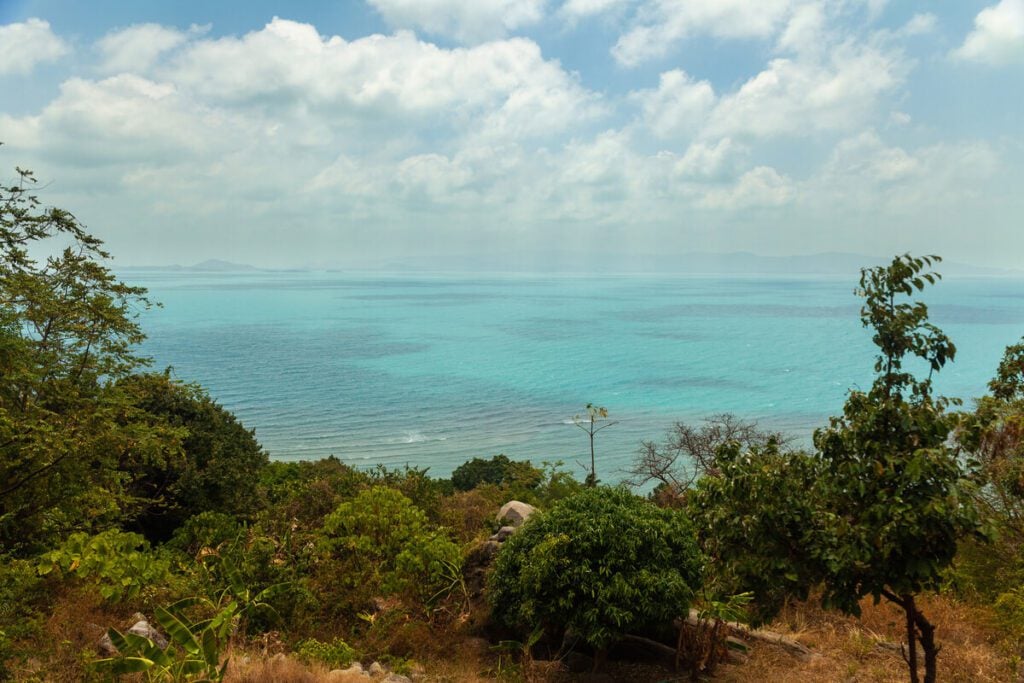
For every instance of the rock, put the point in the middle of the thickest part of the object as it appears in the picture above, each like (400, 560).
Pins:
(502, 533)
(106, 646)
(144, 629)
(515, 512)
(353, 674)
(397, 678)
(377, 670)
(475, 647)
(141, 627)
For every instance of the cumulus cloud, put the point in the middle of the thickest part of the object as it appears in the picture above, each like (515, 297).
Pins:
(794, 96)
(24, 45)
(759, 187)
(137, 47)
(505, 86)
(998, 35)
(471, 21)
(661, 23)
(678, 107)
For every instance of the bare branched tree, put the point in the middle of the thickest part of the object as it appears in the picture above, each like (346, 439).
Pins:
(688, 451)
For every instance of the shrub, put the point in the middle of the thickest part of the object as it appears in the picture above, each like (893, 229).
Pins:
(388, 544)
(336, 654)
(602, 562)
(121, 563)
(496, 470)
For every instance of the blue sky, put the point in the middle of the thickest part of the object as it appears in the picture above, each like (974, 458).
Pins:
(417, 131)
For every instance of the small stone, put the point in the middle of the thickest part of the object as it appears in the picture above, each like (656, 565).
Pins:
(377, 670)
(144, 629)
(503, 533)
(397, 678)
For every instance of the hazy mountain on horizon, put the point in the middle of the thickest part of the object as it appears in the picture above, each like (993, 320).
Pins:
(710, 263)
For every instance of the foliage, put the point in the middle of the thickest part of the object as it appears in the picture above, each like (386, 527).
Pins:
(688, 452)
(336, 654)
(194, 650)
(67, 332)
(899, 500)
(602, 562)
(1008, 383)
(758, 518)
(207, 530)
(218, 462)
(498, 470)
(122, 564)
(386, 542)
(416, 484)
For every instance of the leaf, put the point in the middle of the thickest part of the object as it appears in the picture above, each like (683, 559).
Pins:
(178, 631)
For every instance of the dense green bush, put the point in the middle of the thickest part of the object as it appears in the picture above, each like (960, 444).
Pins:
(758, 518)
(499, 470)
(602, 563)
(122, 564)
(384, 542)
(217, 468)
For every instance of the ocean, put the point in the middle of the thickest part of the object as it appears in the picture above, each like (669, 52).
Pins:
(430, 370)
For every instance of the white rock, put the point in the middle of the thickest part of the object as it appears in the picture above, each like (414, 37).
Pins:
(516, 512)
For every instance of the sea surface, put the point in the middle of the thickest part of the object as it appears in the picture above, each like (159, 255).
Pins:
(432, 370)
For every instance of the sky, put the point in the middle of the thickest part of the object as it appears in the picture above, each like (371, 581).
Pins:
(363, 133)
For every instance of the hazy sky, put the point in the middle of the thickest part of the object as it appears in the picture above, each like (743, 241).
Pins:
(366, 132)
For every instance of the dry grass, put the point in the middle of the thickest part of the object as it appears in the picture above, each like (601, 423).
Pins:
(849, 649)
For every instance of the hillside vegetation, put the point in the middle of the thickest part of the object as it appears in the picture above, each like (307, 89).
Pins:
(137, 511)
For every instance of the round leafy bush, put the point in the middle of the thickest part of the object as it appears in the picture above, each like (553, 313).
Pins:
(601, 563)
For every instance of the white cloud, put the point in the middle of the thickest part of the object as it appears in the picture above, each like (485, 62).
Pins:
(998, 35)
(661, 23)
(678, 107)
(920, 24)
(760, 187)
(136, 48)
(796, 96)
(504, 86)
(469, 21)
(24, 45)
(704, 161)
(581, 9)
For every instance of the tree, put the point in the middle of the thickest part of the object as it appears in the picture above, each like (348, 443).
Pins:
(1009, 380)
(689, 451)
(589, 423)
(68, 329)
(498, 470)
(216, 468)
(897, 498)
(601, 563)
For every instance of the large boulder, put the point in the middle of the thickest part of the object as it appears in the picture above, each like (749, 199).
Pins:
(515, 512)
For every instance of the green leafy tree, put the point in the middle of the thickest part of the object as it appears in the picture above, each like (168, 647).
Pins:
(602, 562)
(216, 468)
(757, 510)
(498, 470)
(68, 329)
(898, 499)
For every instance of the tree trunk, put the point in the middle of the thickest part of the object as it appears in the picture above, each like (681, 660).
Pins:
(908, 607)
(931, 650)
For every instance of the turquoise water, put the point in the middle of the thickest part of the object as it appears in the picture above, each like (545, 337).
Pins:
(431, 370)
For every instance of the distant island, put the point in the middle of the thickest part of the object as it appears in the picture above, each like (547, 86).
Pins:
(604, 263)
